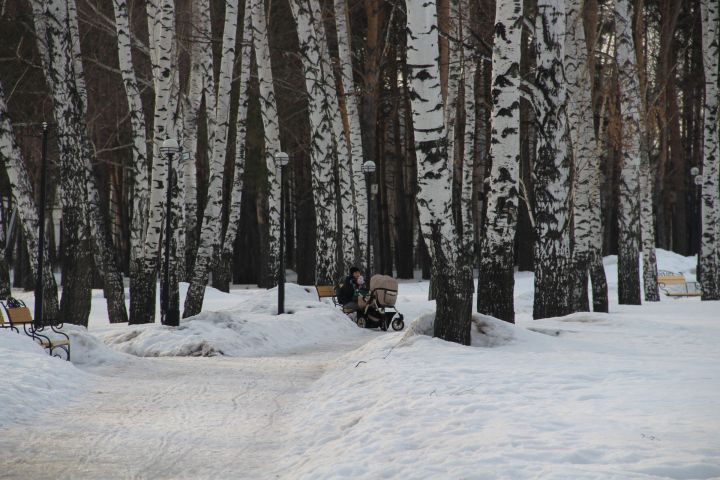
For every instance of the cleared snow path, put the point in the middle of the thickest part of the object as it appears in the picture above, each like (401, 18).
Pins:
(175, 418)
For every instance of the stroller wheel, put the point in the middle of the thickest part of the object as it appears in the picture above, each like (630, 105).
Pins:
(361, 322)
(398, 324)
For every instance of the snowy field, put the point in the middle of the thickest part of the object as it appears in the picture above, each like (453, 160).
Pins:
(239, 392)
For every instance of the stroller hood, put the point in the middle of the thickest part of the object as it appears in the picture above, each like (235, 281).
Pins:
(385, 288)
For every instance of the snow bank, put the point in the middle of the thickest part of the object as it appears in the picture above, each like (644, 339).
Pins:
(88, 351)
(31, 380)
(631, 395)
(251, 328)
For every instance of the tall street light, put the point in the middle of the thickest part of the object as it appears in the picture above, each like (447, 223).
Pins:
(169, 316)
(282, 160)
(697, 181)
(40, 285)
(368, 168)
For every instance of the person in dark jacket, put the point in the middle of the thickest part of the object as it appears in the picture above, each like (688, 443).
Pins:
(351, 288)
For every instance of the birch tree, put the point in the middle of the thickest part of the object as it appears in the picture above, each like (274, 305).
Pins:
(103, 251)
(346, 208)
(139, 280)
(322, 155)
(710, 206)
(22, 195)
(271, 129)
(354, 136)
(54, 41)
(469, 69)
(587, 249)
(553, 286)
(454, 280)
(201, 86)
(210, 241)
(161, 28)
(496, 281)
(629, 202)
(224, 267)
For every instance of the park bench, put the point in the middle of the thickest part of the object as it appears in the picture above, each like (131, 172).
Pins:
(674, 285)
(49, 337)
(328, 291)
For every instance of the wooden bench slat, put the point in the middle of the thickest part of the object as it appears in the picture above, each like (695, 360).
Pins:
(325, 291)
(20, 315)
(54, 342)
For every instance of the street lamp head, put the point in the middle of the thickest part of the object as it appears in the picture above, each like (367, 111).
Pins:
(282, 158)
(368, 167)
(698, 180)
(694, 171)
(169, 147)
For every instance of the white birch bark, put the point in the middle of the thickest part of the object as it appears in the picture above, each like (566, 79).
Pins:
(344, 201)
(211, 229)
(647, 220)
(271, 128)
(138, 128)
(629, 204)
(103, 251)
(240, 139)
(469, 69)
(22, 195)
(453, 280)
(496, 282)
(553, 292)
(161, 21)
(322, 155)
(586, 185)
(57, 51)
(709, 264)
(201, 85)
(455, 51)
(353, 121)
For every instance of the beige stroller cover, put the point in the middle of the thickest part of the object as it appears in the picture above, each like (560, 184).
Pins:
(387, 296)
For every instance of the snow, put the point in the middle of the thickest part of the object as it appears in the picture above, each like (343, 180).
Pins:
(632, 394)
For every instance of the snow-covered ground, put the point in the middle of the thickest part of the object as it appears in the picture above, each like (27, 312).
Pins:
(630, 394)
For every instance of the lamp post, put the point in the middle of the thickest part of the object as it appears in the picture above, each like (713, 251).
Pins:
(697, 181)
(169, 316)
(282, 160)
(368, 168)
(40, 285)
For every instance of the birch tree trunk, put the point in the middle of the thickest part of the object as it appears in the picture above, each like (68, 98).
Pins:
(222, 274)
(469, 69)
(346, 208)
(103, 251)
(586, 185)
(496, 281)
(354, 134)
(201, 85)
(22, 195)
(59, 64)
(629, 202)
(161, 27)
(647, 221)
(710, 206)
(454, 280)
(322, 154)
(553, 285)
(210, 233)
(139, 281)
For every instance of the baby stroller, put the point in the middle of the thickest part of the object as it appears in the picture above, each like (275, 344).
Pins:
(378, 307)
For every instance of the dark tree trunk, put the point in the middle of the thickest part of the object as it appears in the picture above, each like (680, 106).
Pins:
(77, 270)
(143, 288)
(599, 284)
